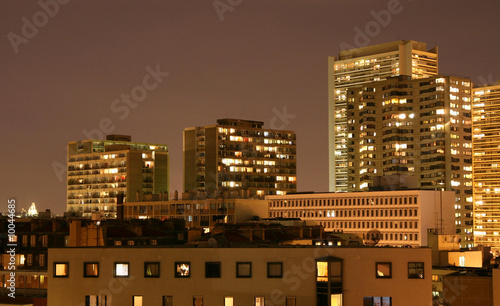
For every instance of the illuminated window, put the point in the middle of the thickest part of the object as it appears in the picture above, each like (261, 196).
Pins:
(259, 301)
(416, 270)
(137, 300)
(121, 269)
(244, 269)
(228, 301)
(61, 269)
(101, 300)
(182, 269)
(151, 269)
(212, 270)
(383, 270)
(90, 269)
(274, 270)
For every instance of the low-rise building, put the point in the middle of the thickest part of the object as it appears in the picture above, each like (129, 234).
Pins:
(393, 218)
(204, 213)
(252, 275)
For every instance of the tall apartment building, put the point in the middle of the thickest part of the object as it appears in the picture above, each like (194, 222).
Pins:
(415, 127)
(356, 67)
(239, 158)
(486, 165)
(101, 171)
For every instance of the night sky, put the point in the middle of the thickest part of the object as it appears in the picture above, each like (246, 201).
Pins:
(247, 59)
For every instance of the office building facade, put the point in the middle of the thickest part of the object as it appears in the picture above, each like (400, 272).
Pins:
(486, 163)
(102, 171)
(239, 158)
(356, 67)
(385, 218)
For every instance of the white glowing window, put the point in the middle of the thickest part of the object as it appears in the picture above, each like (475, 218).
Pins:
(440, 111)
(121, 269)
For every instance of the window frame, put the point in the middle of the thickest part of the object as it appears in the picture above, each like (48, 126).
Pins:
(269, 264)
(176, 274)
(423, 269)
(146, 263)
(213, 263)
(238, 275)
(85, 269)
(60, 263)
(383, 263)
(118, 263)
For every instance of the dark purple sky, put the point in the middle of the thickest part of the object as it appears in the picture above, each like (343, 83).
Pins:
(265, 55)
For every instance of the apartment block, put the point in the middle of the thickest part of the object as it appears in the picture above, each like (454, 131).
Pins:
(385, 218)
(418, 128)
(356, 67)
(101, 171)
(486, 165)
(239, 158)
(279, 275)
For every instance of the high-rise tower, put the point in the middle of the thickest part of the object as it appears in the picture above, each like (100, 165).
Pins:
(352, 69)
(239, 158)
(486, 165)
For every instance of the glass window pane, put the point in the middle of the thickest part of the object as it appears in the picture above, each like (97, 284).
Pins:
(137, 300)
(228, 301)
(384, 270)
(182, 269)
(121, 269)
(336, 268)
(322, 271)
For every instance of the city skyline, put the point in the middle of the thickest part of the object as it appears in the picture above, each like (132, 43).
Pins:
(186, 64)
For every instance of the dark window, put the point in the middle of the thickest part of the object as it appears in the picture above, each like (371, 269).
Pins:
(274, 270)
(244, 269)
(182, 269)
(61, 269)
(415, 270)
(90, 269)
(212, 269)
(168, 300)
(151, 269)
(377, 301)
(383, 270)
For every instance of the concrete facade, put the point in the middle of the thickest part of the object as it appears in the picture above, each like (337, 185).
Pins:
(100, 171)
(239, 158)
(299, 277)
(203, 213)
(393, 218)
